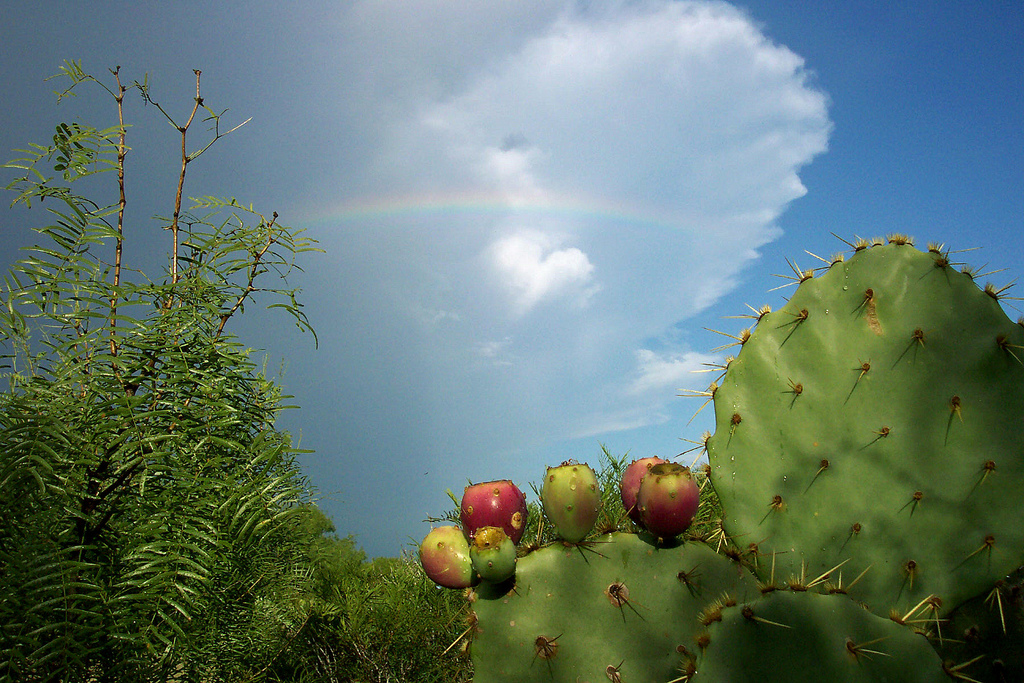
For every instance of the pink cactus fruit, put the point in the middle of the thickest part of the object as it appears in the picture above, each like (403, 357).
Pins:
(668, 499)
(630, 485)
(494, 503)
(444, 554)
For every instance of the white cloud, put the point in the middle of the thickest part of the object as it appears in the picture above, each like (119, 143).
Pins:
(534, 269)
(666, 136)
(663, 374)
(511, 170)
(633, 417)
(648, 396)
(495, 352)
(685, 105)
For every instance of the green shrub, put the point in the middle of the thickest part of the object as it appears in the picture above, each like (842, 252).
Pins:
(151, 510)
(381, 620)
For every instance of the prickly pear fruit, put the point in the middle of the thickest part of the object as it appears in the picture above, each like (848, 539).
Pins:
(494, 503)
(444, 554)
(668, 499)
(630, 484)
(493, 554)
(572, 499)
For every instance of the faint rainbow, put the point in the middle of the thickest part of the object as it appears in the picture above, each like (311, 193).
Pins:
(399, 207)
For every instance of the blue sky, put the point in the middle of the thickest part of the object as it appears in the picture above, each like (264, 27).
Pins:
(531, 211)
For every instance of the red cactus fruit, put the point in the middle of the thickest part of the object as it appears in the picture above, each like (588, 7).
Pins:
(494, 503)
(630, 484)
(444, 554)
(668, 499)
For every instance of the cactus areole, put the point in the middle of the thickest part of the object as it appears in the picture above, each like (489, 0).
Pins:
(494, 503)
(668, 499)
(630, 485)
(444, 554)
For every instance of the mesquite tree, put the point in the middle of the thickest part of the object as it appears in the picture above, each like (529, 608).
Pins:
(148, 504)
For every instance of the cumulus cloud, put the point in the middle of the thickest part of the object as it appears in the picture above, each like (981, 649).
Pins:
(612, 170)
(535, 270)
(686, 105)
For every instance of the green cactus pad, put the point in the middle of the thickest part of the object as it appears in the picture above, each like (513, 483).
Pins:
(622, 603)
(878, 420)
(796, 637)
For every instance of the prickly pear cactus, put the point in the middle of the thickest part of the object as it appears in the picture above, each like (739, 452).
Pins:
(874, 428)
(493, 554)
(619, 606)
(632, 476)
(868, 458)
(493, 503)
(444, 554)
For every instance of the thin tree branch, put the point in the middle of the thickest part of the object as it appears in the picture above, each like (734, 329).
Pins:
(181, 184)
(253, 272)
(122, 151)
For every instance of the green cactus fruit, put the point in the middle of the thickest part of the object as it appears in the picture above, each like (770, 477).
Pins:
(668, 499)
(444, 554)
(797, 637)
(627, 609)
(571, 499)
(872, 430)
(493, 554)
(630, 484)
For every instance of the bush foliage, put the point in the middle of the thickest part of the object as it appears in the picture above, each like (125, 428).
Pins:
(150, 507)
(156, 526)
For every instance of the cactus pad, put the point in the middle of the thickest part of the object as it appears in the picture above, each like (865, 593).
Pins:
(795, 637)
(623, 607)
(877, 419)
